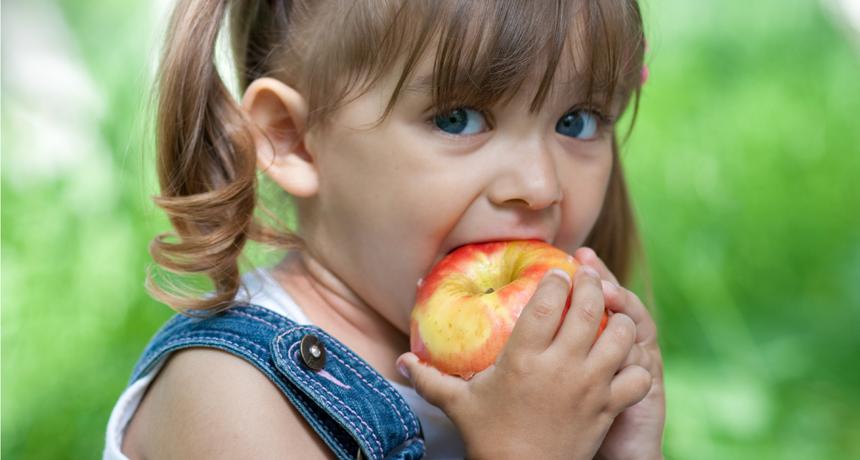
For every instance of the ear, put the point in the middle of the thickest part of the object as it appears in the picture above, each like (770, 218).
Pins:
(279, 114)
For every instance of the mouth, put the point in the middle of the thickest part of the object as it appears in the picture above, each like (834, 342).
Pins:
(500, 239)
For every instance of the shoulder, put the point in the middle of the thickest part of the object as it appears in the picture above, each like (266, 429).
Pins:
(206, 403)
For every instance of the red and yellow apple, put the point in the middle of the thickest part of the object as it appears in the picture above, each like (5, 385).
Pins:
(466, 307)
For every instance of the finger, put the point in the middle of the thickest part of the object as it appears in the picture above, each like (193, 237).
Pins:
(630, 386)
(540, 318)
(621, 300)
(577, 332)
(437, 388)
(614, 345)
(637, 356)
(587, 256)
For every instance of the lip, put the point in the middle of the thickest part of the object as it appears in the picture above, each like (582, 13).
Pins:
(499, 238)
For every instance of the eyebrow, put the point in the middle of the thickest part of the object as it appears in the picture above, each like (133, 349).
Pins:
(420, 85)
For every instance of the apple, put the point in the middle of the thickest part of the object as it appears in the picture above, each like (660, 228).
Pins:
(466, 307)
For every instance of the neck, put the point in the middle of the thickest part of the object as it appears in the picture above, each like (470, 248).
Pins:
(331, 305)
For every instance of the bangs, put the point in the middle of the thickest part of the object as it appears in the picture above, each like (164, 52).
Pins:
(483, 52)
(486, 52)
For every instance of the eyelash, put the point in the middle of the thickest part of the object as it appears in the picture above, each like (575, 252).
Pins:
(430, 119)
(606, 121)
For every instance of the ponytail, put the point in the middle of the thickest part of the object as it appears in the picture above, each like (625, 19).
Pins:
(206, 165)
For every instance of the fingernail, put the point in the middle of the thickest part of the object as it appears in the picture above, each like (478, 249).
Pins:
(609, 286)
(561, 274)
(590, 271)
(403, 370)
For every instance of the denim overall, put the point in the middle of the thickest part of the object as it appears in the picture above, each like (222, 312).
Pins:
(351, 406)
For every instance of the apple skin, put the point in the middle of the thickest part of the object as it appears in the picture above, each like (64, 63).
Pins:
(466, 307)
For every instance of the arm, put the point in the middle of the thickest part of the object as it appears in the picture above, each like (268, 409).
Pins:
(209, 404)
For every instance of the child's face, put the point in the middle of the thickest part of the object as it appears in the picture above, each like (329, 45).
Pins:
(395, 199)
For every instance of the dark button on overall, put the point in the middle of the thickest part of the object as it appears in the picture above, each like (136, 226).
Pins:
(313, 352)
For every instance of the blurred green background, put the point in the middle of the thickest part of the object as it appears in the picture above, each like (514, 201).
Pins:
(743, 166)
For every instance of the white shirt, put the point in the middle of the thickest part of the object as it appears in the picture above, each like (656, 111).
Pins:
(441, 438)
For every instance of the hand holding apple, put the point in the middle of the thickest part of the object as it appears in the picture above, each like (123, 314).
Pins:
(468, 304)
(553, 391)
(637, 432)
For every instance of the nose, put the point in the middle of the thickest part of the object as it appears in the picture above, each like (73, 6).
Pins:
(530, 180)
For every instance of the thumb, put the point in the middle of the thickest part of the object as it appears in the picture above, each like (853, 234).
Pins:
(437, 388)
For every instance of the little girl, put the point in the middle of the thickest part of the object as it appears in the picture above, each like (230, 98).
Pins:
(399, 131)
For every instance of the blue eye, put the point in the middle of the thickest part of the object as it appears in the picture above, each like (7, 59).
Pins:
(461, 121)
(580, 124)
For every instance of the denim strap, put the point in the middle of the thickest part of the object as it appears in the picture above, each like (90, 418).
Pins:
(350, 405)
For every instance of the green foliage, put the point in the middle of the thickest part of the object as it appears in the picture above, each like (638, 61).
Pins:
(742, 165)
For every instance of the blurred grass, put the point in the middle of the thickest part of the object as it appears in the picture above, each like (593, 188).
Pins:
(743, 167)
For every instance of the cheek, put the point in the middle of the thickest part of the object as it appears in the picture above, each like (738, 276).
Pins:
(387, 205)
(584, 193)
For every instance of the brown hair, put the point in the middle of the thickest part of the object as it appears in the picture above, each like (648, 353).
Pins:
(485, 52)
